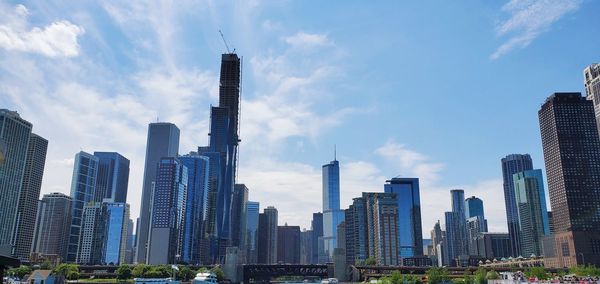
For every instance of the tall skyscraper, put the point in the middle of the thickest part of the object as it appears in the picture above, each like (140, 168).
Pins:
(113, 177)
(410, 232)
(252, 211)
(305, 246)
(93, 231)
(28, 199)
(53, 223)
(117, 224)
(267, 240)
(83, 189)
(288, 244)
(531, 207)
(473, 207)
(591, 79)
(356, 233)
(332, 215)
(317, 238)
(195, 209)
(382, 227)
(168, 209)
(14, 141)
(163, 141)
(238, 216)
(511, 165)
(438, 238)
(456, 226)
(572, 156)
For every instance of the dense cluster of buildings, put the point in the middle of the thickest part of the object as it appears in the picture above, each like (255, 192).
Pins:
(194, 211)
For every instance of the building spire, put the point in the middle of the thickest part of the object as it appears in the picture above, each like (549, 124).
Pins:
(334, 152)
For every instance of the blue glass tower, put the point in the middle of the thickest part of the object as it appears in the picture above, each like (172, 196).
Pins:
(511, 165)
(473, 207)
(115, 243)
(195, 209)
(317, 237)
(332, 215)
(532, 211)
(252, 211)
(83, 189)
(410, 236)
(113, 177)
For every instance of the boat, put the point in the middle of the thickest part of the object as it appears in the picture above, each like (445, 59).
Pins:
(329, 281)
(205, 278)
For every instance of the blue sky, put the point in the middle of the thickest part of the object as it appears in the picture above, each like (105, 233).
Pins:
(439, 90)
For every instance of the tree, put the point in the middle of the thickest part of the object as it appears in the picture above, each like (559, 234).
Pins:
(537, 272)
(492, 275)
(370, 261)
(468, 277)
(585, 270)
(47, 265)
(480, 276)
(437, 275)
(69, 271)
(20, 271)
(185, 273)
(219, 273)
(140, 270)
(124, 272)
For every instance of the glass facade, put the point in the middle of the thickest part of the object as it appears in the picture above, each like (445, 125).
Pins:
(410, 230)
(474, 207)
(117, 220)
(195, 209)
(511, 165)
(332, 215)
(113, 177)
(252, 211)
(317, 231)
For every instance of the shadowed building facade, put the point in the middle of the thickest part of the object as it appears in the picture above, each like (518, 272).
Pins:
(52, 225)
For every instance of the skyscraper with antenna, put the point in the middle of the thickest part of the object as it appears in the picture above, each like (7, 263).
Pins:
(332, 215)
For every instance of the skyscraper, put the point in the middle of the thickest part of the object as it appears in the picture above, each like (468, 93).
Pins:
(163, 141)
(267, 240)
(168, 208)
(332, 215)
(28, 199)
(53, 223)
(317, 238)
(473, 207)
(116, 233)
(572, 156)
(252, 211)
(195, 209)
(532, 211)
(83, 189)
(511, 165)
(410, 232)
(356, 233)
(14, 141)
(288, 244)
(238, 216)
(456, 227)
(113, 177)
(305, 246)
(382, 227)
(591, 79)
(92, 233)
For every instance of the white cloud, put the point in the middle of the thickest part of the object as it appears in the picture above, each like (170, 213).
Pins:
(307, 41)
(528, 19)
(54, 40)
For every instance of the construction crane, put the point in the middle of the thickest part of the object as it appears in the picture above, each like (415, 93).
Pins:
(225, 42)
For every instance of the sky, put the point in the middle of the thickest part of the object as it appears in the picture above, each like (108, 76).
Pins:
(439, 90)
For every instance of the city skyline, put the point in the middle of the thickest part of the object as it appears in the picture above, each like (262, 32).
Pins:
(382, 157)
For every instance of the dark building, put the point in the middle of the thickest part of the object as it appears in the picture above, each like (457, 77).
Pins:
(511, 165)
(113, 177)
(357, 249)
(238, 216)
(288, 244)
(317, 237)
(52, 225)
(267, 236)
(493, 245)
(550, 222)
(263, 231)
(410, 231)
(305, 246)
(572, 156)
(163, 141)
(28, 199)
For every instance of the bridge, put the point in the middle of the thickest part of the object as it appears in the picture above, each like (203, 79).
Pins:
(265, 272)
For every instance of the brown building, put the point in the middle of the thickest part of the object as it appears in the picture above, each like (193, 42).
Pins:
(571, 148)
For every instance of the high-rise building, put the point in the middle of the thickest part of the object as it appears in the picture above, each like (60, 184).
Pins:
(15, 133)
(168, 209)
(238, 216)
(473, 207)
(382, 223)
(356, 233)
(113, 177)
(83, 189)
(438, 238)
(305, 246)
(93, 231)
(532, 212)
(162, 141)
(195, 209)
(117, 224)
(210, 237)
(591, 80)
(129, 248)
(456, 226)
(571, 148)
(332, 215)
(511, 165)
(267, 236)
(493, 245)
(53, 223)
(317, 237)
(30, 192)
(288, 244)
(410, 232)
(475, 226)
(252, 211)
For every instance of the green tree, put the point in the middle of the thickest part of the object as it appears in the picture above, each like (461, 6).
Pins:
(20, 271)
(437, 275)
(219, 273)
(124, 272)
(185, 273)
(585, 270)
(140, 270)
(468, 276)
(537, 272)
(47, 265)
(480, 276)
(370, 261)
(492, 275)
(69, 271)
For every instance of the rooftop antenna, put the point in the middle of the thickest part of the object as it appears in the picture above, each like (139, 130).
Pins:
(334, 152)
(225, 42)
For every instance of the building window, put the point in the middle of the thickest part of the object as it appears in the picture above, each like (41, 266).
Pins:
(565, 249)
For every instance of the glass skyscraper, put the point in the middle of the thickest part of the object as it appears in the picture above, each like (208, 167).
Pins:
(511, 165)
(356, 233)
(332, 215)
(113, 177)
(195, 210)
(456, 226)
(317, 237)
(410, 236)
(162, 141)
(115, 242)
(252, 211)
(532, 211)
(83, 188)
(14, 141)
(238, 216)
(473, 207)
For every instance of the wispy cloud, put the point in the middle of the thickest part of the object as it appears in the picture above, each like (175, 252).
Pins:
(528, 19)
(54, 40)
(307, 41)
